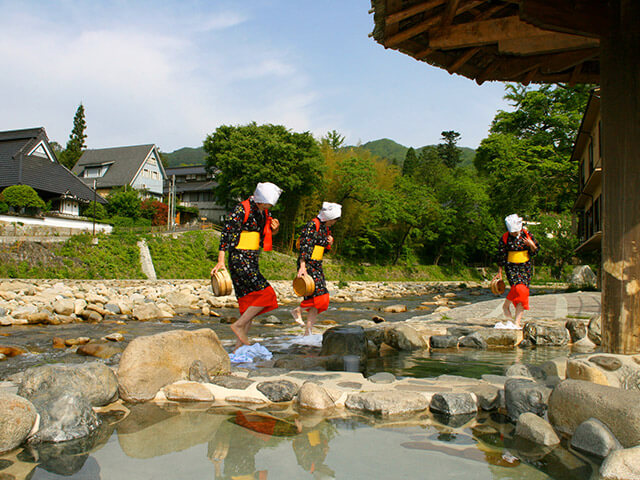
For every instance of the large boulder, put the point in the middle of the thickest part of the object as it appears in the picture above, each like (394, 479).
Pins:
(577, 329)
(583, 276)
(63, 417)
(149, 363)
(621, 465)
(545, 334)
(594, 330)
(523, 395)
(453, 404)
(313, 396)
(17, 417)
(595, 438)
(443, 341)
(575, 401)
(94, 381)
(498, 337)
(535, 429)
(404, 337)
(346, 340)
(387, 402)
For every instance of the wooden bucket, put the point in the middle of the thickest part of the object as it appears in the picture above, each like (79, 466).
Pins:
(304, 286)
(497, 287)
(221, 283)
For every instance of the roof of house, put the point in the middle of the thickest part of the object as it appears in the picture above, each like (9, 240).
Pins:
(17, 167)
(186, 170)
(125, 162)
(203, 186)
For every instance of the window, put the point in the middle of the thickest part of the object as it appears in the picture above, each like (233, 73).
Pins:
(599, 140)
(597, 215)
(590, 157)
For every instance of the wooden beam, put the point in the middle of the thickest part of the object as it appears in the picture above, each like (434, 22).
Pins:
(548, 64)
(489, 12)
(449, 13)
(547, 43)
(575, 74)
(462, 59)
(423, 53)
(529, 76)
(411, 11)
(579, 17)
(488, 71)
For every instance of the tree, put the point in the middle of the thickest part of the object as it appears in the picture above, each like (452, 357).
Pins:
(334, 139)
(154, 210)
(246, 155)
(125, 203)
(448, 151)
(70, 156)
(93, 210)
(21, 196)
(410, 162)
(557, 241)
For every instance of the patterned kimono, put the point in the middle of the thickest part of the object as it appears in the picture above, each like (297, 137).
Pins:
(518, 274)
(309, 238)
(250, 286)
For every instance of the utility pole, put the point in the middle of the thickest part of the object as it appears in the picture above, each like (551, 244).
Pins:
(173, 203)
(95, 184)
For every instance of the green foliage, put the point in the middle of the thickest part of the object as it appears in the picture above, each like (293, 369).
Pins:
(155, 211)
(93, 210)
(410, 162)
(187, 256)
(70, 156)
(448, 151)
(334, 139)
(4, 208)
(557, 241)
(22, 196)
(125, 202)
(184, 156)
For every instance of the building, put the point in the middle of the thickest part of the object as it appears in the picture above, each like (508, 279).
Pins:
(26, 158)
(194, 188)
(136, 166)
(587, 152)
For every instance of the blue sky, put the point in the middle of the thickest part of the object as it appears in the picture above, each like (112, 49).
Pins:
(170, 72)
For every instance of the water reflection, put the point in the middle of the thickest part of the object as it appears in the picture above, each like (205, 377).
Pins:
(157, 442)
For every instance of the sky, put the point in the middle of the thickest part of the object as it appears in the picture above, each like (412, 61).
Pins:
(170, 72)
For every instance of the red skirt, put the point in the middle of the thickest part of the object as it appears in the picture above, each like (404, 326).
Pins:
(262, 298)
(519, 293)
(321, 303)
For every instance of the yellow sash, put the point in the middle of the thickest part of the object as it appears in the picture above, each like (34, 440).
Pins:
(317, 253)
(249, 241)
(521, 256)
(314, 438)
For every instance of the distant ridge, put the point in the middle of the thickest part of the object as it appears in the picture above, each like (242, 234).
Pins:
(185, 156)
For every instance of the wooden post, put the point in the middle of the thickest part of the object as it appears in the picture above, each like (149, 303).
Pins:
(620, 101)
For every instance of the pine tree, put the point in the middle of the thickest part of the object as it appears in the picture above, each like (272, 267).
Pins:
(76, 143)
(410, 163)
(448, 151)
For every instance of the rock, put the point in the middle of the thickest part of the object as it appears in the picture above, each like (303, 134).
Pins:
(594, 437)
(583, 345)
(377, 319)
(72, 342)
(279, 390)
(575, 401)
(488, 397)
(394, 309)
(43, 316)
(102, 350)
(533, 428)
(149, 311)
(65, 306)
(453, 404)
(387, 402)
(11, 351)
(528, 371)
(556, 367)
(272, 319)
(149, 363)
(17, 417)
(580, 369)
(523, 395)
(594, 331)
(497, 337)
(621, 465)
(2, 357)
(345, 340)
(91, 316)
(375, 335)
(113, 308)
(79, 306)
(610, 364)
(63, 417)
(404, 337)
(382, 377)
(188, 392)
(92, 297)
(198, 372)
(114, 337)
(181, 299)
(577, 329)
(473, 341)
(231, 381)
(313, 396)
(583, 276)
(94, 381)
(545, 334)
(443, 341)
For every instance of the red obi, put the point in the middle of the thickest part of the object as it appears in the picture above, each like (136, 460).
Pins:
(519, 294)
(321, 303)
(262, 298)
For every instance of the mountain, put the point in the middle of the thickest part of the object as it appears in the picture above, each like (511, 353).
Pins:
(185, 156)
(391, 150)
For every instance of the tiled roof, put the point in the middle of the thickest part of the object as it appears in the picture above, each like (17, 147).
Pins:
(125, 163)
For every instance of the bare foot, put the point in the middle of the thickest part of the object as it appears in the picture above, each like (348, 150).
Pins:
(296, 313)
(240, 334)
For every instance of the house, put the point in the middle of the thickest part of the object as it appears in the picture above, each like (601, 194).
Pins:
(587, 152)
(137, 166)
(194, 188)
(26, 158)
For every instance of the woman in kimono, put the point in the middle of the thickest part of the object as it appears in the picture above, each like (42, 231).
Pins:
(314, 240)
(515, 251)
(249, 227)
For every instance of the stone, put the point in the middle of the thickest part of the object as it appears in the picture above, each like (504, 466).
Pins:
(610, 364)
(382, 378)
(149, 311)
(93, 381)
(11, 351)
(72, 342)
(102, 350)
(91, 316)
(17, 417)
(65, 306)
(497, 337)
(621, 465)
(535, 429)
(488, 397)
(473, 341)
(545, 334)
(524, 395)
(198, 372)
(375, 335)
(188, 392)
(63, 417)
(43, 316)
(313, 396)
(594, 331)
(443, 341)
(114, 337)
(528, 371)
(113, 308)
(575, 401)
(594, 437)
(271, 319)
(404, 337)
(377, 319)
(583, 276)
(181, 299)
(584, 345)
(231, 381)
(453, 404)
(387, 403)
(580, 369)
(394, 309)
(278, 390)
(577, 329)
(149, 363)
(345, 340)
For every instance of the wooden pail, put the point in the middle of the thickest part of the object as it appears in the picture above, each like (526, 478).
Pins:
(497, 287)
(304, 286)
(221, 283)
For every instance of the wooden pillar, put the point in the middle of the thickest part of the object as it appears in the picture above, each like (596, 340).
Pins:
(620, 103)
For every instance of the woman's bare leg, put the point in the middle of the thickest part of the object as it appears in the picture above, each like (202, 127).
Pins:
(296, 313)
(312, 316)
(506, 309)
(519, 314)
(241, 326)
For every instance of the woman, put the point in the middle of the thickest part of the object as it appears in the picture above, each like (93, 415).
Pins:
(515, 251)
(248, 227)
(314, 240)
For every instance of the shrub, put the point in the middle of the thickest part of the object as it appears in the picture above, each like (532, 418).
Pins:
(22, 196)
(4, 208)
(125, 203)
(155, 210)
(88, 209)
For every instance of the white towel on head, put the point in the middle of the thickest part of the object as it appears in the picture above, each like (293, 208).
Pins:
(330, 211)
(513, 223)
(267, 192)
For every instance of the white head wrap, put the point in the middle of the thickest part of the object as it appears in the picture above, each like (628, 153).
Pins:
(330, 211)
(267, 192)
(513, 223)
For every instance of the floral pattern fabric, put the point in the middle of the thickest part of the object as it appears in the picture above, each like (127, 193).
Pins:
(244, 265)
(309, 238)
(517, 272)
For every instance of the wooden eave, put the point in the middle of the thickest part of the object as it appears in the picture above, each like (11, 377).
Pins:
(542, 41)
